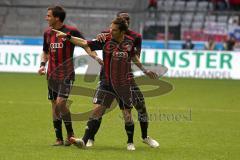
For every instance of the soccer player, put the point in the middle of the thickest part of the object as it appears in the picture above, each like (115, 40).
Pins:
(138, 98)
(60, 73)
(114, 82)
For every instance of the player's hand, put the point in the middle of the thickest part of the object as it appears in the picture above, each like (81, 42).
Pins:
(151, 74)
(60, 34)
(42, 70)
(102, 37)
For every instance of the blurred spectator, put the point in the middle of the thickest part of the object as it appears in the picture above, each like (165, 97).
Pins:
(188, 43)
(229, 44)
(219, 4)
(152, 4)
(234, 4)
(210, 44)
(152, 8)
(236, 47)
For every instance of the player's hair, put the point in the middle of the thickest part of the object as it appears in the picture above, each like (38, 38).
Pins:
(124, 15)
(120, 12)
(122, 24)
(58, 11)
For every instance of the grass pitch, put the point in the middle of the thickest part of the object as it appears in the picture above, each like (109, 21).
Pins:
(198, 120)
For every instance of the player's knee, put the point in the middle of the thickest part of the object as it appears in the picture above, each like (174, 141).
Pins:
(98, 111)
(127, 115)
(129, 123)
(61, 101)
(140, 106)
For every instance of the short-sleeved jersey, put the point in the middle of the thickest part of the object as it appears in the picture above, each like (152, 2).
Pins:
(60, 52)
(137, 40)
(117, 60)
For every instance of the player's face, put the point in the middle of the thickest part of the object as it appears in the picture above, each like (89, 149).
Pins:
(50, 19)
(115, 32)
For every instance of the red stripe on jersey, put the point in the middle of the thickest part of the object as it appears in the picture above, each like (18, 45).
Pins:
(60, 55)
(107, 66)
(51, 61)
(69, 64)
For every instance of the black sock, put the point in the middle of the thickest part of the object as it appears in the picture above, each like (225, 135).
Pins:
(57, 124)
(96, 129)
(144, 128)
(129, 127)
(68, 124)
(143, 119)
(92, 124)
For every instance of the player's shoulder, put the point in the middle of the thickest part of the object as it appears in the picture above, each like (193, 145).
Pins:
(128, 37)
(47, 30)
(134, 34)
(70, 28)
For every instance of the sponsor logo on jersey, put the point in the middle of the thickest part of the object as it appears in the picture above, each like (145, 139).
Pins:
(56, 45)
(120, 54)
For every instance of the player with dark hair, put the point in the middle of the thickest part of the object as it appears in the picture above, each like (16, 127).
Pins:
(114, 82)
(60, 74)
(138, 98)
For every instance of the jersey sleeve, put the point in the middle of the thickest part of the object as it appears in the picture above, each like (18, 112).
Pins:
(77, 33)
(46, 41)
(138, 45)
(95, 45)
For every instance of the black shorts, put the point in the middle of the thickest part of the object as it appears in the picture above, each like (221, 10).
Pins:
(106, 94)
(59, 89)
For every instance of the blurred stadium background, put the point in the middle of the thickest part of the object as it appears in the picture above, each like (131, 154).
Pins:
(198, 18)
(200, 116)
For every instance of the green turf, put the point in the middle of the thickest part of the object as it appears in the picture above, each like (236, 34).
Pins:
(198, 120)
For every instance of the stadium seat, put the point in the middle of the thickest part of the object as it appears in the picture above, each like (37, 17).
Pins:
(202, 6)
(191, 5)
(168, 5)
(222, 18)
(199, 17)
(176, 17)
(179, 6)
(188, 16)
(26, 2)
(3, 11)
(197, 25)
(211, 18)
(5, 2)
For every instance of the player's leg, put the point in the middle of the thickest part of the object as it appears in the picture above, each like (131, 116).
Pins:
(139, 104)
(102, 100)
(91, 139)
(63, 93)
(103, 96)
(124, 99)
(57, 124)
(91, 126)
(129, 127)
(65, 115)
(93, 123)
(57, 121)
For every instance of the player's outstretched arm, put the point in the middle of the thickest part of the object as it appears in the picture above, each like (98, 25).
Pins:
(149, 73)
(75, 40)
(79, 42)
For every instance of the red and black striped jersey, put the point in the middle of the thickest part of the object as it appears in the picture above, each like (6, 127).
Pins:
(60, 51)
(117, 60)
(137, 40)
